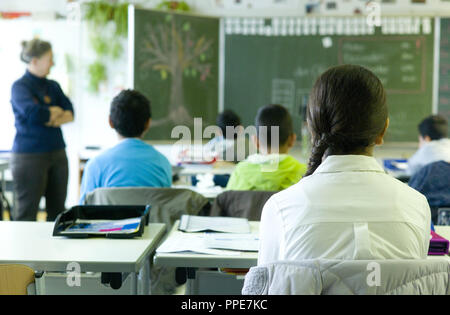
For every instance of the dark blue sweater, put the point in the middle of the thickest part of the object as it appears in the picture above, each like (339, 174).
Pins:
(433, 181)
(30, 98)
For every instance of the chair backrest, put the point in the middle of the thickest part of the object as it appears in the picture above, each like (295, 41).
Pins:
(343, 277)
(242, 204)
(432, 181)
(14, 279)
(443, 215)
(168, 204)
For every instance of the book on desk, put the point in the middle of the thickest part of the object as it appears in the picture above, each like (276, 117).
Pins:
(192, 223)
(211, 235)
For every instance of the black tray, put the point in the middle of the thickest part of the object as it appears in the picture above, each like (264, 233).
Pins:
(68, 218)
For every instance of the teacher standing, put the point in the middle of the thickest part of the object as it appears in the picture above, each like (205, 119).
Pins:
(39, 163)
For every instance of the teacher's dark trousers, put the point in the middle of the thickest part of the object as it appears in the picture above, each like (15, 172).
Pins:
(36, 175)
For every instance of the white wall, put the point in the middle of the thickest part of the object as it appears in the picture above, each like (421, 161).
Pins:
(255, 7)
(64, 38)
(297, 7)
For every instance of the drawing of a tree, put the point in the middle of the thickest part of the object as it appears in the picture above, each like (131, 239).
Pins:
(174, 50)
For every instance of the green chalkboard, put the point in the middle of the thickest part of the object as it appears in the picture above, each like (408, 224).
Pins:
(444, 70)
(282, 68)
(176, 66)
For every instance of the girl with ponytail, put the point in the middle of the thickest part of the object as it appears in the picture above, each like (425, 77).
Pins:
(346, 206)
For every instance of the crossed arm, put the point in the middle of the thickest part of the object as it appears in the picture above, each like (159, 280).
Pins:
(59, 116)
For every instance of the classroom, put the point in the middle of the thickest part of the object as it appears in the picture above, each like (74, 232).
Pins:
(225, 148)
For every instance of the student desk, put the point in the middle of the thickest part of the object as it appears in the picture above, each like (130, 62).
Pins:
(214, 282)
(443, 231)
(217, 168)
(206, 281)
(32, 244)
(4, 165)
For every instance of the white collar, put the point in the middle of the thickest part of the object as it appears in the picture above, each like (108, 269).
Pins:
(349, 163)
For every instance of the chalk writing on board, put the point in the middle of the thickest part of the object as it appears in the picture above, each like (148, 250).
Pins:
(405, 75)
(311, 73)
(283, 92)
(407, 68)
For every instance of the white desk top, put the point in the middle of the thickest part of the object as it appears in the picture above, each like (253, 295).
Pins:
(4, 164)
(443, 231)
(215, 169)
(244, 260)
(32, 244)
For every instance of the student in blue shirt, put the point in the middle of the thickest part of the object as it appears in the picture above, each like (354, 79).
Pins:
(39, 163)
(132, 162)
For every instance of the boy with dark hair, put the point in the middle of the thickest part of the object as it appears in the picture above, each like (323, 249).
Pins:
(132, 162)
(224, 146)
(271, 169)
(228, 118)
(433, 143)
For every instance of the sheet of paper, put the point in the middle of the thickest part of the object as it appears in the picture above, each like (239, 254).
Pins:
(400, 165)
(240, 242)
(190, 223)
(187, 242)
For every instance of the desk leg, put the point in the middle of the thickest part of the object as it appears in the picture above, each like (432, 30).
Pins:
(190, 281)
(4, 195)
(39, 282)
(134, 283)
(145, 278)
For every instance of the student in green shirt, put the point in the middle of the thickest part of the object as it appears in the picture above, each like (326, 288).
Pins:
(271, 169)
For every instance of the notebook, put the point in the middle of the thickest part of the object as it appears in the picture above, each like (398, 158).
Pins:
(192, 223)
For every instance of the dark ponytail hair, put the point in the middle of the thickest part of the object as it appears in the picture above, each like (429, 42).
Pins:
(34, 48)
(346, 112)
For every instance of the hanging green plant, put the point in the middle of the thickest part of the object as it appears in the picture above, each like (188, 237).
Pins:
(174, 5)
(100, 45)
(107, 45)
(97, 74)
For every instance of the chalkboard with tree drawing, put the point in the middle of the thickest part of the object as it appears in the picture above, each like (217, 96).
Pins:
(176, 67)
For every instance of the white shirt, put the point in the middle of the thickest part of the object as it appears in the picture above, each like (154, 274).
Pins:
(348, 209)
(433, 151)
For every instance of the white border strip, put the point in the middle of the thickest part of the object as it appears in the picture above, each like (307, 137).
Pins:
(131, 52)
(437, 48)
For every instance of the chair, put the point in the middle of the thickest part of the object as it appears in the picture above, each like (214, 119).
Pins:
(242, 204)
(432, 181)
(15, 279)
(350, 277)
(443, 215)
(168, 205)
